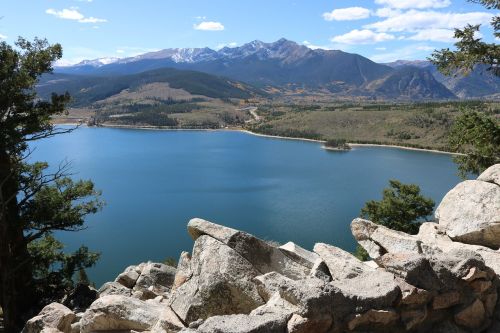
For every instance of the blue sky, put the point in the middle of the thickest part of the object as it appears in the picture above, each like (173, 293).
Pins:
(383, 30)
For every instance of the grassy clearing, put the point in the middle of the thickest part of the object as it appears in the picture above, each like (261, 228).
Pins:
(420, 125)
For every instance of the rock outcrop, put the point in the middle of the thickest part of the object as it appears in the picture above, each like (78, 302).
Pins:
(444, 279)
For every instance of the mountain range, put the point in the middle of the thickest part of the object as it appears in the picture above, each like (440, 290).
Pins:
(287, 66)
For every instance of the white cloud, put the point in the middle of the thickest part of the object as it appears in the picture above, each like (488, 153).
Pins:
(209, 26)
(410, 52)
(381, 48)
(435, 35)
(362, 37)
(73, 14)
(315, 47)
(387, 12)
(347, 14)
(420, 4)
(3, 36)
(415, 20)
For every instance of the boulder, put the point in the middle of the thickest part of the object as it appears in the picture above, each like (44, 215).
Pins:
(341, 264)
(114, 288)
(221, 283)
(431, 240)
(378, 240)
(184, 271)
(268, 323)
(156, 279)
(413, 268)
(116, 312)
(470, 213)
(264, 257)
(167, 322)
(129, 277)
(377, 289)
(299, 324)
(312, 298)
(320, 271)
(53, 317)
(299, 254)
(373, 317)
(491, 175)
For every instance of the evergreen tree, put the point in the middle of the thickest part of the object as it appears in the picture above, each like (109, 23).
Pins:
(402, 207)
(33, 201)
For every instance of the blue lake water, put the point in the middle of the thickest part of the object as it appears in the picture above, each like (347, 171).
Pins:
(153, 182)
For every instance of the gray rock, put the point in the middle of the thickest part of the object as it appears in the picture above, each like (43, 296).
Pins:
(119, 313)
(470, 213)
(377, 289)
(167, 322)
(491, 175)
(156, 279)
(320, 271)
(184, 271)
(264, 257)
(114, 288)
(378, 240)
(221, 283)
(373, 317)
(53, 317)
(413, 268)
(341, 264)
(268, 323)
(129, 277)
(299, 254)
(313, 298)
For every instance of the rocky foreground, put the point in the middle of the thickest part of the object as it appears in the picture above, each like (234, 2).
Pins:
(445, 279)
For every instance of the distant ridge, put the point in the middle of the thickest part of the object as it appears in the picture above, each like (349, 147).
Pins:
(285, 64)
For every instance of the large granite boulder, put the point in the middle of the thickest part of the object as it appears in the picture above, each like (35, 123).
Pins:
(431, 240)
(341, 264)
(378, 240)
(116, 312)
(156, 279)
(263, 256)
(491, 175)
(114, 288)
(54, 317)
(221, 283)
(470, 213)
(267, 323)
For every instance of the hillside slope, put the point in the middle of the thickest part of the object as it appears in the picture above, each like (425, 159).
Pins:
(89, 89)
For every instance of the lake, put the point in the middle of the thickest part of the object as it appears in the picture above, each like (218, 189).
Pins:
(153, 182)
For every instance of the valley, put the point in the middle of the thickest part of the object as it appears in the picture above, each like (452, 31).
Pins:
(281, 88)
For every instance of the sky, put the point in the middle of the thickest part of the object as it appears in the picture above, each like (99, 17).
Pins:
(382, 30)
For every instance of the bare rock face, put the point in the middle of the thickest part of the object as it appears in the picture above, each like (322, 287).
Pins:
(54, 317)
(264, 257)
(378, 240)
(268, 323)
(119, 313)
(114, 288)
(341, 264)
(156, 279)
(470, 213)
(299, 254)
(221, 283)
(491, 175)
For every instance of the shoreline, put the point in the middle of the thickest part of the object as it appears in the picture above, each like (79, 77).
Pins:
(278, 137)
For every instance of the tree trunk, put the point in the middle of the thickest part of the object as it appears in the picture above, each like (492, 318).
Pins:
(15, 269)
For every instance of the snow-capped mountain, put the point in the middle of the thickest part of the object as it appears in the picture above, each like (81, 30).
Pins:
(285, 63)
